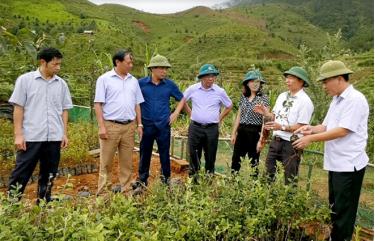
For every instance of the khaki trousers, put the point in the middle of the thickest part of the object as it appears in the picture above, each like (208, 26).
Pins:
(121, 139)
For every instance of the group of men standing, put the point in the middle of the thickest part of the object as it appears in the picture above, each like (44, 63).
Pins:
(124, 105)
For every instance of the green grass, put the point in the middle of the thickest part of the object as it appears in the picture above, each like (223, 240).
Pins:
(284, 22)
(44, 10)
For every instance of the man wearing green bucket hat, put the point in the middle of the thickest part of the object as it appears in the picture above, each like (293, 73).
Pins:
(207, 98)
(344, 131)
(292, 110)
(248, 124)
(157, 91)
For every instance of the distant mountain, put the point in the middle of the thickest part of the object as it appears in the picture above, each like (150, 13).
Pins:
(266, 35)
(355, 18)
(226, 36)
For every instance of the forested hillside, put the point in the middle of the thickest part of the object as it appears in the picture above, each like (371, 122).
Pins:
(355, 18)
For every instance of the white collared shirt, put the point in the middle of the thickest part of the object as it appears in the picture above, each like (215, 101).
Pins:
(299, 111)
(43, 102)
(119, 96)
(350, 110)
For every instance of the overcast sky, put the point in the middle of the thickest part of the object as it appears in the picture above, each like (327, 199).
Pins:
(162, 6)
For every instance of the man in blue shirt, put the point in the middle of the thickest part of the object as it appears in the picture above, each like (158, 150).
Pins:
(156, 117)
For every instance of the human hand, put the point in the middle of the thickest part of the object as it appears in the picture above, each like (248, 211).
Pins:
(304, 130)
(140, 132)
(260, 109)
(103, 133)
(260, 146)
(64, 142)
(172, 118)
(302, 142)
(272, 125)
(233, 138)
(20, 142)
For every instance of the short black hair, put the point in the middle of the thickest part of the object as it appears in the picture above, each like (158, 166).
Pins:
(48, 54)
(120, 56)
(346, 77)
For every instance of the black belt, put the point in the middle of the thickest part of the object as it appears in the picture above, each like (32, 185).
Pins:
(121, 122)
(204, 125)
(278, 138)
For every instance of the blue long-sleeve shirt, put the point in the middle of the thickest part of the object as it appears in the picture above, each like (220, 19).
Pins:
(156, 107)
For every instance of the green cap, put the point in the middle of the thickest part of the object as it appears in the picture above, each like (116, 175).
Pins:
(300, 73)
(159, 61)
(207, 69)
(253, 75)
(333, 68)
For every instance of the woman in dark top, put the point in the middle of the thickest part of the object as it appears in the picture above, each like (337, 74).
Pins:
(248, 124)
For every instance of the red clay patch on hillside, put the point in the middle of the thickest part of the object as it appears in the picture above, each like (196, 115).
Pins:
(141, 25)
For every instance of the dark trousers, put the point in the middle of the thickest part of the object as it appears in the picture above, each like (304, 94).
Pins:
(162, 137)
(48, 155)
(281, 150)
(203, 138)
(344, 190)
(246, 143)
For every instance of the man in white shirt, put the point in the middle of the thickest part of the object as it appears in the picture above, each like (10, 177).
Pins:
(292, 110)
(41, 100)
(118, 112)
(344, 131)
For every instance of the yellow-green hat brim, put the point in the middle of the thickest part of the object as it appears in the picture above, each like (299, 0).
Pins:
(334, 73)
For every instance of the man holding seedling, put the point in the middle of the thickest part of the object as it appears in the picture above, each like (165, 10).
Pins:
(41, 101)
(344, 132)
(157, 118)
(292, 110)
(118, 112)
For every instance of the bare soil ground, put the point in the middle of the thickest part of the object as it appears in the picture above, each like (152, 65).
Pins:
(74, 184)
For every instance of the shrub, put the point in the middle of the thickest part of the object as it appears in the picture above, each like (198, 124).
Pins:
(219, 208)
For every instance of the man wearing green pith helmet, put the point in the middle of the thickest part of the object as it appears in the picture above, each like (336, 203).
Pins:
(207, 98)
(157, 90)
(344, 132)
(292, 110)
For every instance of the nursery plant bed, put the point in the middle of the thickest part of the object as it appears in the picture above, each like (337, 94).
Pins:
(86, 177)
